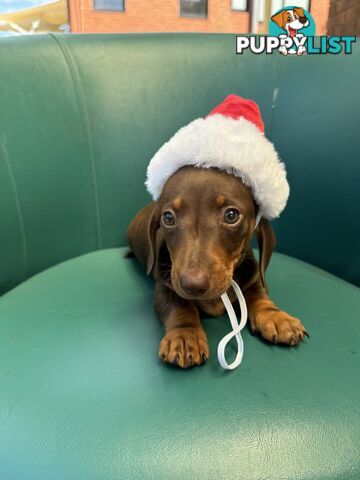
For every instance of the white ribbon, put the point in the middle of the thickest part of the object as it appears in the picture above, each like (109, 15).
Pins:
(236, 328)
(257, 219)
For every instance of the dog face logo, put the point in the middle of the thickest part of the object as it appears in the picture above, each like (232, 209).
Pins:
(290, 21)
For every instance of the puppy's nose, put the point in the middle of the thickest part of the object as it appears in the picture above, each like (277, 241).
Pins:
(194, 283)
(302, 20)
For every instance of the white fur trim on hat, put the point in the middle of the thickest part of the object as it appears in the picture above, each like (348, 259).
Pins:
(234, 145)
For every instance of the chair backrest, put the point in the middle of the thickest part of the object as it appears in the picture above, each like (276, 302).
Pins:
(81, 115)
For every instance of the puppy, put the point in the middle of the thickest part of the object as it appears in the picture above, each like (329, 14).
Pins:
(291, 20)
(194, 239)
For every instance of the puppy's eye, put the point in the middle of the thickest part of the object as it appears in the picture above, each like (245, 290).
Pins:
(168, 218)
(231, 216)
(289, 19)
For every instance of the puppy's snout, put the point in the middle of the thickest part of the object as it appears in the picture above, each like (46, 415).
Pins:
(302, 20)
(194, 283)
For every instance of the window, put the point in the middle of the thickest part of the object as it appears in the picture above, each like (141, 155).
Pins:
(299, 3)
(193, 8)
(277, 5)
(262, 11)
(241, 5)
(109, 5)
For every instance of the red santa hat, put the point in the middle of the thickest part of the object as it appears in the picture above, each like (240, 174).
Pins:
(230, 138)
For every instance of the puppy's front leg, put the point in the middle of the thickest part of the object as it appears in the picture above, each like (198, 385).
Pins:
(185, 343)
(269, 321)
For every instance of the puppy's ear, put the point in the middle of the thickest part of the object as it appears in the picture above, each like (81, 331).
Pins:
(279, 19)
(299, 11)
(266, 241)
(153, 226)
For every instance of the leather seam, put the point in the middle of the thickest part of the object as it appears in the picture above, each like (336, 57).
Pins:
(17, 203)
(275, 95)
(86, 125)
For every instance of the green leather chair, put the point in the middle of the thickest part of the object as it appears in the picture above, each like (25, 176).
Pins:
(82, 392)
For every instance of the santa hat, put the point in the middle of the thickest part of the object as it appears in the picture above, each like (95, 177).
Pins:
(230, 138)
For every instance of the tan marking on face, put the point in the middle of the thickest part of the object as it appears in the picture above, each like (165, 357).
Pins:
(177, 203)
(220, 201)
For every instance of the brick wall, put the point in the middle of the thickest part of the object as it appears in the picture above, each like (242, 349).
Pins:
(319, 9)
(344, 17)
(164, 16)
(156, 16)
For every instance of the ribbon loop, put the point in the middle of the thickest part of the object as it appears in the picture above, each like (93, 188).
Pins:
(236, 328)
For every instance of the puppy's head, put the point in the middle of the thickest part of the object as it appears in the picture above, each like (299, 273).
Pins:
(207, 219)
(291, 20)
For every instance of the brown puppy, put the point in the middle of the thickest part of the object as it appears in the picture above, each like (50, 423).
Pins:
(194, 240)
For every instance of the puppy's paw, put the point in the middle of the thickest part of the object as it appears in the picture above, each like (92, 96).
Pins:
(184, 347)
(301, 49)
(277, 326)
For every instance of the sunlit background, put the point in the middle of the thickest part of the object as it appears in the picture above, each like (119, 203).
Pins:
(23, 17)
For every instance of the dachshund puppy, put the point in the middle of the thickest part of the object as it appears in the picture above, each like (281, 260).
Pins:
(194, 239)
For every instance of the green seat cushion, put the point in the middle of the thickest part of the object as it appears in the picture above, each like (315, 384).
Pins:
(84, 396)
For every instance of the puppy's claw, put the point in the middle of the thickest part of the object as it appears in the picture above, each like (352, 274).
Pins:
(204, 357)
(275, 339)
(176, 360)
(162, 356)
(190, 361)
(306, 333)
